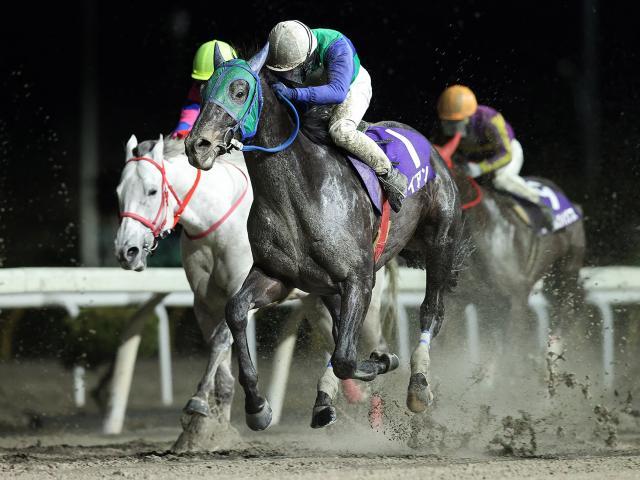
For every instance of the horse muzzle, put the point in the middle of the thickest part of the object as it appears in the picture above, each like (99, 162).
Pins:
(132, 257)
(202, 153)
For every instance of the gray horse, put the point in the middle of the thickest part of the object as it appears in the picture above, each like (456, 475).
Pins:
(511, 256)
(312, 227)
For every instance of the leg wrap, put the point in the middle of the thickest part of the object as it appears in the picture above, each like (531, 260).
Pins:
(420, 359)
(328, 383)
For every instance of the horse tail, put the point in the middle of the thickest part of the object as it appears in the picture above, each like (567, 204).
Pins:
(389, 307)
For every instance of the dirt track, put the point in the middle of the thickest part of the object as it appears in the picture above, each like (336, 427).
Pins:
(476, 430)
(290, 456)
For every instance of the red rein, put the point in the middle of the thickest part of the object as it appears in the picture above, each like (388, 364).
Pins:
(158, 228)
(446, 151)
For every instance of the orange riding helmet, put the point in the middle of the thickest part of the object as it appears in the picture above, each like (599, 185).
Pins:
(456, 103)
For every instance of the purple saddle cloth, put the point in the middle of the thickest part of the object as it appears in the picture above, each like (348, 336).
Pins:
(564, 211)
(409, 152)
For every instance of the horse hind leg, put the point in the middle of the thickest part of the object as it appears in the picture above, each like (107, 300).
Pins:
(445, 251)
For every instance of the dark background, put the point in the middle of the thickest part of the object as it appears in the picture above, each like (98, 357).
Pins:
(563, 73)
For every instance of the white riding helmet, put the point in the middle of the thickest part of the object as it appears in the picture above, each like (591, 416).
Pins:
(290, 44)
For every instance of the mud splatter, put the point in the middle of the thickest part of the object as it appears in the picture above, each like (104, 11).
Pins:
(607, 425)
(556, 377)
(628, 408)
(518, 436)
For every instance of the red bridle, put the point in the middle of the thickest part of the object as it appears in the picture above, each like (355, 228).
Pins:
(446, 151)
(159, 222)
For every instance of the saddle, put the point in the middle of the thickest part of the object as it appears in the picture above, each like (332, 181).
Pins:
(564, 211)
(409, 152)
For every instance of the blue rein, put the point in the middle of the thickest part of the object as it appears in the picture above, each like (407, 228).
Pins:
(287, 143)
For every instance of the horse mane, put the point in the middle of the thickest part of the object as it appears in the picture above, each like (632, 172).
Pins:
(173, 147)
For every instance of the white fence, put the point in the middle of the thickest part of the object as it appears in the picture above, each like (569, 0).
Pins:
(158, 288)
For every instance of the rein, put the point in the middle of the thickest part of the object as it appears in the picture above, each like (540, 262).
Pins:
(446, 151)
(284, 145)
(233, 143)
(157, 225)
(228, 213)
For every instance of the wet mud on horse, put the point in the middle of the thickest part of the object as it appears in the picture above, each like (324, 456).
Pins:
(158, 187)
(312, 227)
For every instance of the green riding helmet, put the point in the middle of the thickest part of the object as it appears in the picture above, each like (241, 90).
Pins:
(203, 60)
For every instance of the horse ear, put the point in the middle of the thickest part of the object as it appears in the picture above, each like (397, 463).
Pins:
(218, 59)
(131, 144)
(257, 61)
(158, 149)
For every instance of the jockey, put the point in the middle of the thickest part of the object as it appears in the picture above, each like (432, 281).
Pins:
(202, 71)
(488, 144)
(321, 67)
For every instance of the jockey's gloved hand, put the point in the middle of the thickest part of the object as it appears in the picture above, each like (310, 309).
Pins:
(472, 169)
(288, 93)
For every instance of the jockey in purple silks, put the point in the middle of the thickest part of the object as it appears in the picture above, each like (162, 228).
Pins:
(488, 145)
(321, 67)
(202, 71)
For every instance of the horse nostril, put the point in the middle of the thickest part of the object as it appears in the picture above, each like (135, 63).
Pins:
(132, 253)
(203, 144)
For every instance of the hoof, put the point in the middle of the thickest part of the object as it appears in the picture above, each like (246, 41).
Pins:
(260, 420)
(389, 360)
(323, 416)
(198, 406)
(419, 395)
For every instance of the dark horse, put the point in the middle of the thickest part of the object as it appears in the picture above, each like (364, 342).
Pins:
(510, 257)
(312, 227)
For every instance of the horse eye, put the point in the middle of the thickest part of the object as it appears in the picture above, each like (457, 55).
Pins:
(152, 192)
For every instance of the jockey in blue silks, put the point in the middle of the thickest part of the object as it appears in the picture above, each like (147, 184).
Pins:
(321, 67)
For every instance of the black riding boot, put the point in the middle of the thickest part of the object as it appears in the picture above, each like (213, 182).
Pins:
(547, 213)
(394, 185)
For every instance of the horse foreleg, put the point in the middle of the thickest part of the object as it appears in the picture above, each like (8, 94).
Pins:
(320, 317)
(354, 302)
(220, 343)
(224, 386)
(257, 290)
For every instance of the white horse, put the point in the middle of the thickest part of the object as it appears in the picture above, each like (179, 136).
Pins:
(157, 190)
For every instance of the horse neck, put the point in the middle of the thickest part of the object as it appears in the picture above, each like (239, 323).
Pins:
(217, 190)
(274, 127)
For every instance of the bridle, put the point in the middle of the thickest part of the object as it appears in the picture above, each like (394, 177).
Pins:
(159, 222)
(246, 120)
